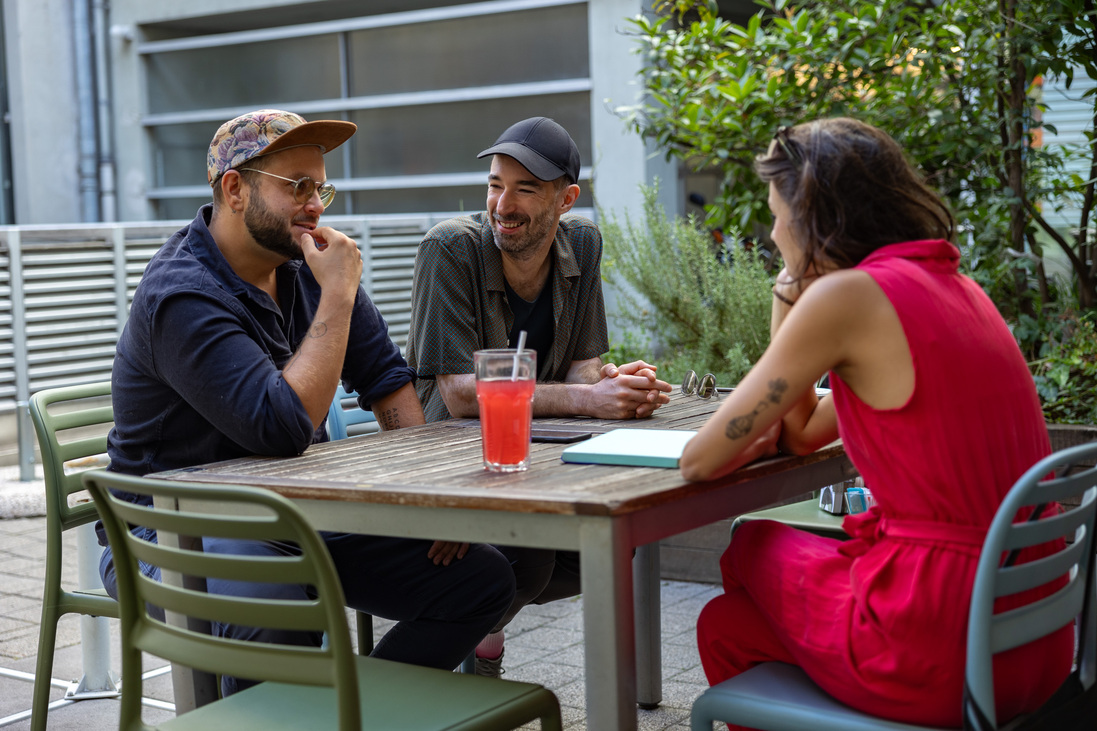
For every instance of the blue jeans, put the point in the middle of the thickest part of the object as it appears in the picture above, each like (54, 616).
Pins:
(441, 612)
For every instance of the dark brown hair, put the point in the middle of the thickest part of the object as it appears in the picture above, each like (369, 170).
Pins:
(851, 191)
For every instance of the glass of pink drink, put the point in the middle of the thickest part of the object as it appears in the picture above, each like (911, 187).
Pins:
(505, 380)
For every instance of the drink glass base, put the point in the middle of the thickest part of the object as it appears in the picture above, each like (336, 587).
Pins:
(496, 467)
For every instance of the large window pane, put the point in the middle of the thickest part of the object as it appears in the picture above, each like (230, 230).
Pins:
(179, 153)
(468, 199)
(533, 45)
(182, 209)
(445, 138)
(464, 199)
(248, 74)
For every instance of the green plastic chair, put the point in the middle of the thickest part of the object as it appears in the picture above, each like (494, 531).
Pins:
(779, 697)
(308, 687)
(72, 425)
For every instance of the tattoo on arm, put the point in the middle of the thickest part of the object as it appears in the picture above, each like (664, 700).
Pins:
(316, 330)
(389, 419)
(740, 426)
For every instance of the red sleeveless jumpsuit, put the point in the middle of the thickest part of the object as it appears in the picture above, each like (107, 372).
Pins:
(880, 621)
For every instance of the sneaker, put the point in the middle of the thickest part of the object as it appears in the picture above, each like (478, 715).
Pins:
(490, 668)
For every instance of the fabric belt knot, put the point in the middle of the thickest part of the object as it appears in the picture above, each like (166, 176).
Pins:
(868, 528)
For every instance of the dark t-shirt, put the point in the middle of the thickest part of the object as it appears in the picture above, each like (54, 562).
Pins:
(535, 318)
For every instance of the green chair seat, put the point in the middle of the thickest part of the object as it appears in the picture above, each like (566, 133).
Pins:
(804, 515)
(393, 696)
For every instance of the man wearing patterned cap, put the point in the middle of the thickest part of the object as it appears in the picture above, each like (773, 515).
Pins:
(526, 264)
(241, 327)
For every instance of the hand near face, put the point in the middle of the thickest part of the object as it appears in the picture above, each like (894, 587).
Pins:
(334, 259)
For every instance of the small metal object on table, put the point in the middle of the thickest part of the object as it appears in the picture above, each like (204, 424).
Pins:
(428, 482)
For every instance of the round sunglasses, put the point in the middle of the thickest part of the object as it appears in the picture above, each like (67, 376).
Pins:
(303, 188)
(703, 387)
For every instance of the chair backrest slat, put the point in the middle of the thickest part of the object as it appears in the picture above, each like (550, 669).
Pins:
(1046, 529)
(261, 569)
(241, 525)
(1022, 625)
(1062, 488)
(1015, 579)
(204, 652)
(296, 615)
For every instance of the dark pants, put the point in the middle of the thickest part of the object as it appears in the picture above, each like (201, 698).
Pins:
(441, 612)
(541, 575)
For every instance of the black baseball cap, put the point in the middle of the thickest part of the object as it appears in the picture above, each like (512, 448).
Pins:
(542, 146)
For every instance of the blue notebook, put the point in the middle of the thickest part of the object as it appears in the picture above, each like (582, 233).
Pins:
(635, 447)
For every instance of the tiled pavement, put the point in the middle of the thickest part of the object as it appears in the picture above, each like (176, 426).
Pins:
(544, 645)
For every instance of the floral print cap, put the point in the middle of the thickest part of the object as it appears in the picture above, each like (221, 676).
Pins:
(266, 131)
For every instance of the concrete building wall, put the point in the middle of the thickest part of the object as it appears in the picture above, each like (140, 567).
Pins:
(38, 42)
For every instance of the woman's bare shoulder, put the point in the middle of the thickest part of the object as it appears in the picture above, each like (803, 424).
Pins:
(842, 290)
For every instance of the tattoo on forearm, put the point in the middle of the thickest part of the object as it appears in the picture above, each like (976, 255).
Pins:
(389, 419)
(740, 426)
(316, 330)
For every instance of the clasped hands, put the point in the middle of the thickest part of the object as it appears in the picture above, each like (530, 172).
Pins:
(629, 391)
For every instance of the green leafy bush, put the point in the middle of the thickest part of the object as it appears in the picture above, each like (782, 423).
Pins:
(956, 83)
(684, 299)
(1066, 379)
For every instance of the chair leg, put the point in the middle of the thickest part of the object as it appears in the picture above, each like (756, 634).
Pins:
(364, 623)
(43, 669)
(468, 665)
(550, 716)
(702, 715)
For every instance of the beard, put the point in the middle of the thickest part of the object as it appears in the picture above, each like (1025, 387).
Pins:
(525, 246)
(269, 230)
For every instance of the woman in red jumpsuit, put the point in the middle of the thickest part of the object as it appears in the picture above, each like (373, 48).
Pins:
(937, 410)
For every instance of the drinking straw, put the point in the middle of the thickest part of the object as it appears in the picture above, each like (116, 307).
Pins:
(517, 352)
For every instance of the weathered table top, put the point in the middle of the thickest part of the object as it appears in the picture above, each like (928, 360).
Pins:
(440, 465)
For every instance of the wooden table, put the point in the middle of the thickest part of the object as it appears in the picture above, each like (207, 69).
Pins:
(429, 482)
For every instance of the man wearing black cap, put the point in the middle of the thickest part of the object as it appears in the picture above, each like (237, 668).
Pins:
(241, 327)
(523, 265)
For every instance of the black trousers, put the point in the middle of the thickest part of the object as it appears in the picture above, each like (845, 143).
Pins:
(541, 575)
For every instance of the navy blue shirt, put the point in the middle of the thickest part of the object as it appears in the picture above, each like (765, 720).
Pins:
(198, 370)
